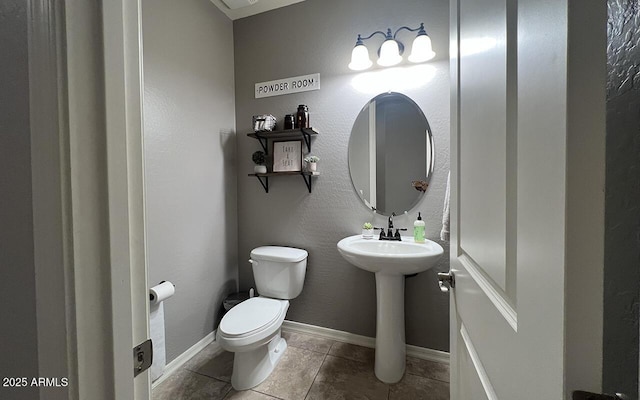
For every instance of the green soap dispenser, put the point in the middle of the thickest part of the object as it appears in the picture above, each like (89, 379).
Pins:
(418, 230)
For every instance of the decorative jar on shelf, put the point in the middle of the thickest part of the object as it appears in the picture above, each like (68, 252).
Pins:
(302, 117)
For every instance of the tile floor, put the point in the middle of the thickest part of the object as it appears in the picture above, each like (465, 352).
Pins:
(313, 368)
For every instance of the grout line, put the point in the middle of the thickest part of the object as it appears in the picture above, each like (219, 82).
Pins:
(314, 351)
(388, 385)
(426, 377)
(266, 394)
(273, 397)
(314, 336)
(317, 373)
(348, 359)
(228, 391)
(207, 376)
(331, 347)
(345, 357)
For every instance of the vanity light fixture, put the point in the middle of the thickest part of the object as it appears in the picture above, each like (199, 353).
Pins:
(390, 53)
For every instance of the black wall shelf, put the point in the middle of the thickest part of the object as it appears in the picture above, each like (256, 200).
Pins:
(264, 178)
(299, 133)
(304, 133)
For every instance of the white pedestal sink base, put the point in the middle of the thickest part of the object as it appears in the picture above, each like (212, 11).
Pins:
(390, 340)
(390, 261)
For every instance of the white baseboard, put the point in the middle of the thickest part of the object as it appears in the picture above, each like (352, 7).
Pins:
(424, 353)
(179, 361)
(346, 337)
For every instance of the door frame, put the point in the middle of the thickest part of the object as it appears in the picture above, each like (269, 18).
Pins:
(52, 238)
(97, 47)
(122, 38)
(85, 77)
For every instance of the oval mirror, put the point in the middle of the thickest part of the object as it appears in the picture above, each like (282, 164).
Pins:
(390, 154)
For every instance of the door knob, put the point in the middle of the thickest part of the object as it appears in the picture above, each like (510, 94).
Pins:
(446, 281)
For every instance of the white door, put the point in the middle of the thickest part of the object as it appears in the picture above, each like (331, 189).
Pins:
(527, 202)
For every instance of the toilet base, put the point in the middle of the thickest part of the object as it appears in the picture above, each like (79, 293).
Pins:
(250, 368)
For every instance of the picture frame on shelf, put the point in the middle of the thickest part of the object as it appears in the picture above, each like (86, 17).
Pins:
(287, 156)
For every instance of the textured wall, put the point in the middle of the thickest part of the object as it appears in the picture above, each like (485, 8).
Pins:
(317, 36)
(190, 162)
(18, 329)
(622, 211)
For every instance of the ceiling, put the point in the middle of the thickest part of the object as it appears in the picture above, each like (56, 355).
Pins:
(257, 8)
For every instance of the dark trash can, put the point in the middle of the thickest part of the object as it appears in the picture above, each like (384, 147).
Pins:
(234, 299)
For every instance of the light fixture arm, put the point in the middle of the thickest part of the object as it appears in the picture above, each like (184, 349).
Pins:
(361, 39)
(387, 36)
(419, 29)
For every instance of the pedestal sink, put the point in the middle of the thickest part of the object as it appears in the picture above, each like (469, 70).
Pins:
(390, 261)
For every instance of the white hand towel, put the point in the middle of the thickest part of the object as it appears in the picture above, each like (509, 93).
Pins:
(444, 233)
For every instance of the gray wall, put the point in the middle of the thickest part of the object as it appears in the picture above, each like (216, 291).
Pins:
(622, 197)
(190, 166)
(18, 329)
(318, 36)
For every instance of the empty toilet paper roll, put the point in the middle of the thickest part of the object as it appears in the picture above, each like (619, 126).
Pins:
(157, 295)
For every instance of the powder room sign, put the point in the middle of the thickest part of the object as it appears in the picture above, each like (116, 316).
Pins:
(296, 84)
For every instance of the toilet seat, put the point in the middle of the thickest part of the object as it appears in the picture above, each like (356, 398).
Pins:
(251, 323)
(250, 316)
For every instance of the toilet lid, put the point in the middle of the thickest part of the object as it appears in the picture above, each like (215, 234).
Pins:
(250, 315)
(278, 254)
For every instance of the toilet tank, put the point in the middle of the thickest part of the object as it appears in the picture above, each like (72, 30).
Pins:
(279, 271)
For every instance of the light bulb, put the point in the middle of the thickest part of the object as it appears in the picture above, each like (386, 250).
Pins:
(389, 53)
(421, 50)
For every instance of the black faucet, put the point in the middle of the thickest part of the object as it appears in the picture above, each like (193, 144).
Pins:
(390, 230)
(390, 235)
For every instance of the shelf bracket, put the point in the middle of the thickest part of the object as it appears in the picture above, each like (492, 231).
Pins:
(307, 181)
(307, 140)
(263, 142)
(264, 183)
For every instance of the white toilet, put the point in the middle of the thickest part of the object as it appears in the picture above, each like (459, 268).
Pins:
(252, 328)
